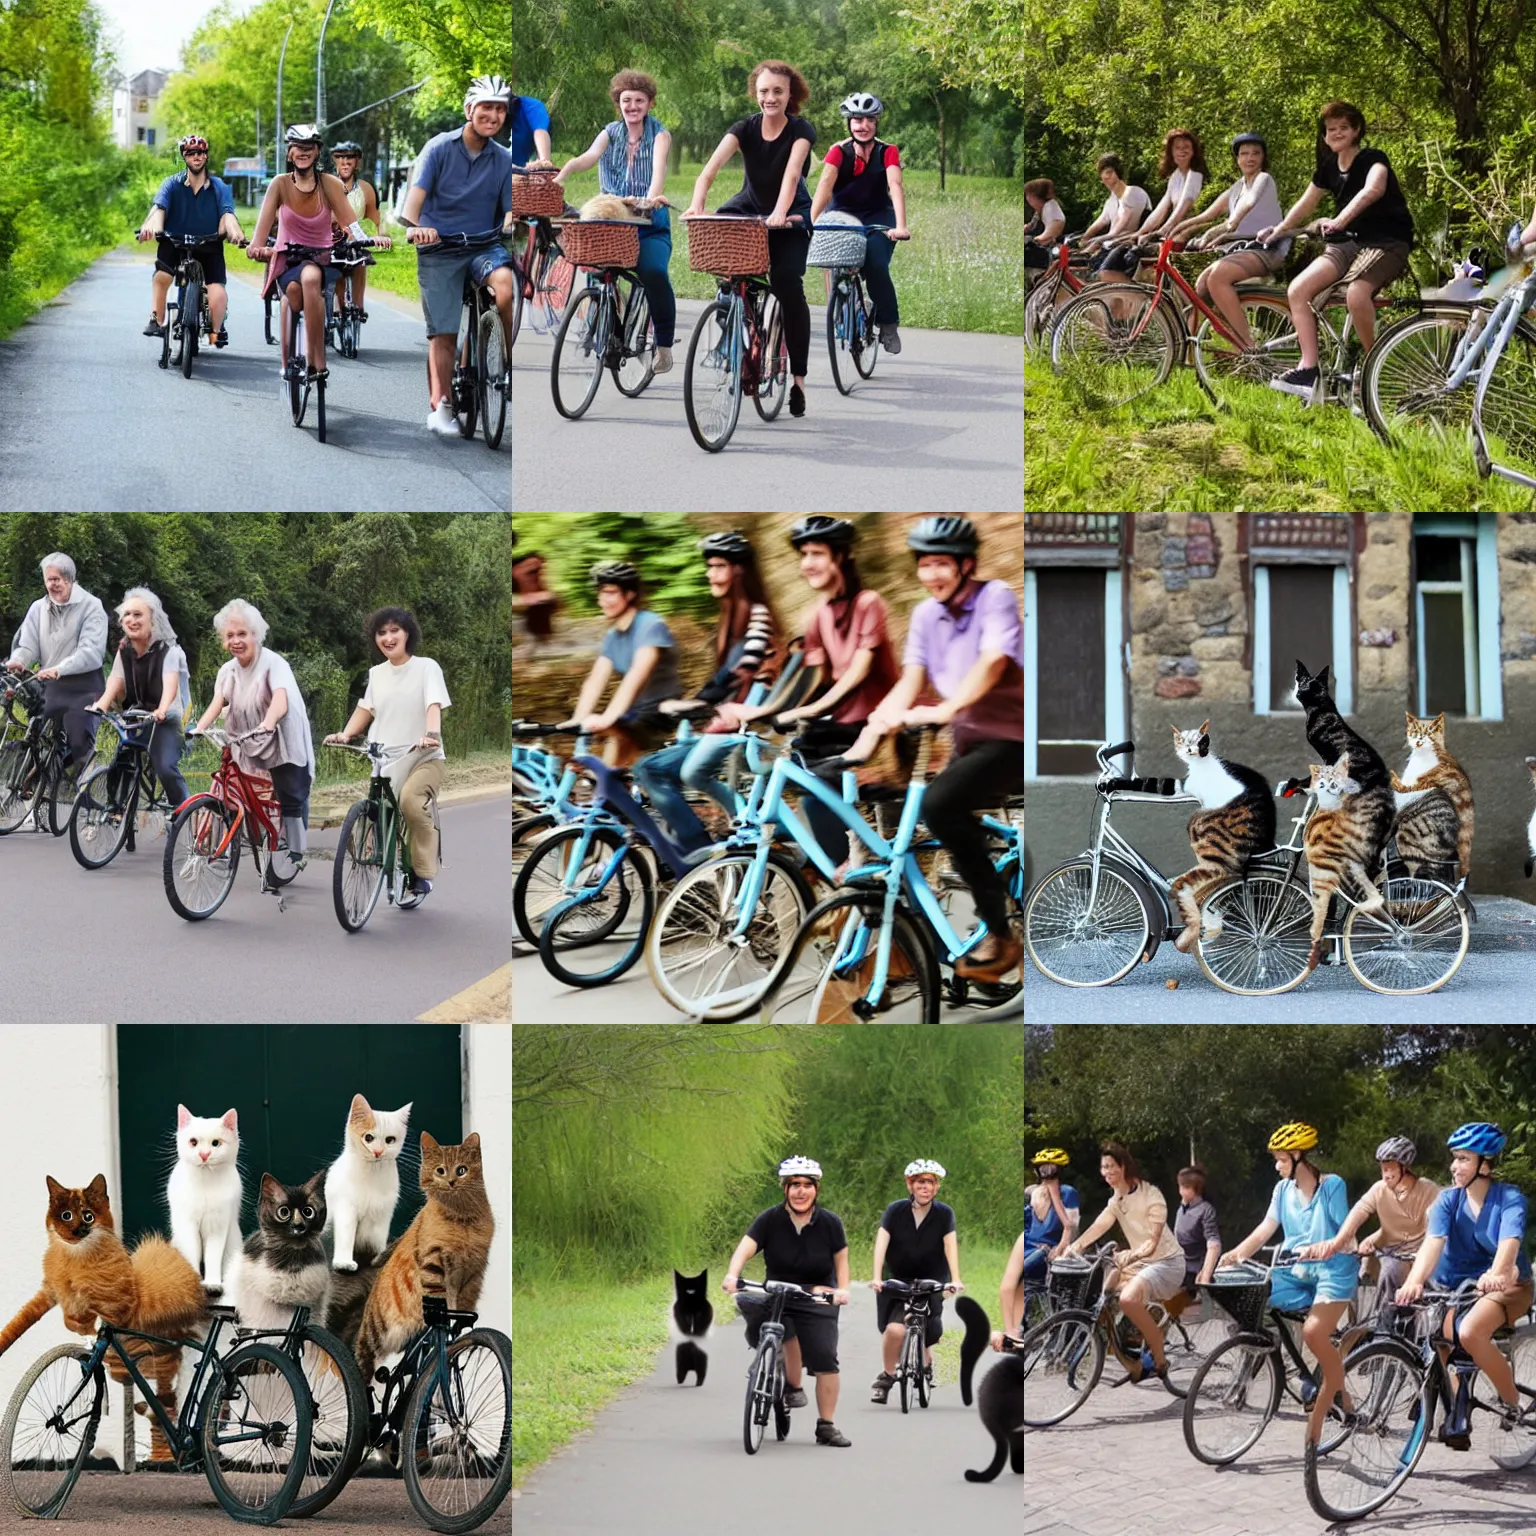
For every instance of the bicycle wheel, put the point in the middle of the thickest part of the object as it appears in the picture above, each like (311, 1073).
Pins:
(526, 833)
(1505, 416)
(577, 367)
(456, 1452)
(298, 372)
(59, 791)
(495, 377)
(712, 378)
(1081, 942)
(202, 857)
(20, 777)
(1040, 310)
(192, 306)
(518, 280)
(48, 1431)
(351, 334)
(1219, 364)
(171, 314)
(1116, 341)
(1515, 1447)
(762, 1395)
(1403, 379)
(1255, 935)
(636, 366)
(839, 338)
(100, 819)
(1415, 944)
(320, 409)
(339, 1408)
(910, 1366)
(582, 942)
(1186, 1346)
(865, 347)
(357, 876)
(694, 960)
(254, 1426)
(464, 395)
(1231, 1399)
(773, 376)
(1063, 1359)
(571, 860)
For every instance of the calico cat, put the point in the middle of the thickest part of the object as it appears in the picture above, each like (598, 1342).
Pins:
(1530, 831)
(363, 1184)
(442, 1253)
(691, 1316)
(1431, 767)
(204, 1194)
(1000, 1404)
(1235, 821)
(1330, 737)
(1341, 843)
(283, 1264)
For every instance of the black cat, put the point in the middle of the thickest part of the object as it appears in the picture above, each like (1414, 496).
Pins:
(691, 1316)
(1331, 738)
(1000, 1402)
(977, 1340)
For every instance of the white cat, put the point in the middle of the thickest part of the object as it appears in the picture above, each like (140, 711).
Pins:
(362, 1185)
(204, 1195)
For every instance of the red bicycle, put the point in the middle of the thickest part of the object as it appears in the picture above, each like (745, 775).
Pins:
(202, 849)
(1057, 286)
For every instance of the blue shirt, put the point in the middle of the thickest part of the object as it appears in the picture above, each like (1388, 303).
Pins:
(1312, 1221)
(619, 646)
(465, 195)
(527, 114)
(1470, 1244)
(189, 213)
(1049, 1229)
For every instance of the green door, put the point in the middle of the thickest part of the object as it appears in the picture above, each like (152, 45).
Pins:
(291, 1085)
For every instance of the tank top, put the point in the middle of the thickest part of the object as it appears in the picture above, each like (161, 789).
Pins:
(306, 229)
(357, 200)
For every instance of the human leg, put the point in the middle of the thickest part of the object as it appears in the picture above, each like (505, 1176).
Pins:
(1323, 1317)
(786, 273)
(877, 274)
(160, 286)
(423, 785)
(1134, 1302)
(312, 282)
(987, 773)
(218, 304)
(291, 783)
(1478, 1325)
(703, 764)
(655, 258)
(660, 774)
(165, 755)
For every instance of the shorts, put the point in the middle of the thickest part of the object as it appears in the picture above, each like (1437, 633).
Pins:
(1516, 1304)
(812, 1323)
(1308, 1285)
(329, 275)
(441, 274)
(210, 257)
(1374, 264)
(1161, 1279)
(1124, 258)
(1260, 263)
(1036, 255)
(888, 1310)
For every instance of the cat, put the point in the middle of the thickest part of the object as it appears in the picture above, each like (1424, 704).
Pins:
(1341, 842)
(1330, 737)
(349, 1293)
(89, 1274)
(1431, 767)
(283, 1264)
(1000, 1405)
(442, 1253)
(1427, 831)
(363, 1184)
(692, 1315)
(977, 1340)
(204, 1194)
(1530, 831)
(1236, 819)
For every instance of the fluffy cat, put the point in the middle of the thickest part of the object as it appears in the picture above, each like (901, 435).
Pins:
(283, 1264)
(442, 1253)
(1427, 831)
(1000, 1404)
(363, 1184)
(691, 1316)
(1341, 846)
(1530, 831)
(204, 1194)
(1236, 819)
(1431, 767)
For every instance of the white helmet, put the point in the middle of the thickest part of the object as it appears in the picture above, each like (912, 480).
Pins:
(487, 88)
(805, 1167)
(924, 1165)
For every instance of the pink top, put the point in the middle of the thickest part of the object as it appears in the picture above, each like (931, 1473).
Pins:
(867, 629)
(305, 229)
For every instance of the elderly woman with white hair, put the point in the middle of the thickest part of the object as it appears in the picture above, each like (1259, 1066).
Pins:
(258, 688)
(66, 632)
(150, 672)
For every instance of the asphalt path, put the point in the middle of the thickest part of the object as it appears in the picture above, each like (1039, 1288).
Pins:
(665, 1460)
(939, 428)
(93, 424)
(104, 946)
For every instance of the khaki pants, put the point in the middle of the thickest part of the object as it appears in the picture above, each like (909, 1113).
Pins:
(425, 780)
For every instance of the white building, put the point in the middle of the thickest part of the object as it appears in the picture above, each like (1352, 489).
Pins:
(136, 118)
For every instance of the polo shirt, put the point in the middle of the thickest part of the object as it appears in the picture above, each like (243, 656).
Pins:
(1401, 1212)
(916, 1251)
(1195, 1229)
(193, 213)
(466, 194)
(804, 1257)
(947, 639)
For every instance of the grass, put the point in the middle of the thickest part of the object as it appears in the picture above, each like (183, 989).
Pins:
(1173, 451)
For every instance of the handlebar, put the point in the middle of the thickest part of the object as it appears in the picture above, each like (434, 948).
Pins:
(768, 1288)
(868, 229)
(188, 242)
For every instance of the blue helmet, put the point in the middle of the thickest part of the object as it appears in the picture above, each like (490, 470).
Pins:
(1477, 1136)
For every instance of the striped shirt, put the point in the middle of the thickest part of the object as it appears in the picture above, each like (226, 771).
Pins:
(744, 660)
(617, 174)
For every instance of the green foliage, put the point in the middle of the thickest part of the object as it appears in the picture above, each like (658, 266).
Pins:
(972, 41)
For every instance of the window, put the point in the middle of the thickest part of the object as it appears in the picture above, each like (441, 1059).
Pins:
(142, 104)
(141, 135)
(1300, 613)
(1074, 675)
(1455, 616)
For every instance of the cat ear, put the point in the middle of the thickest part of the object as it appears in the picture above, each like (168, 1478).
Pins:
(1301, 672)
(472, 1140)
(229, 1122)
(275, 1192)
(428, 1145)
(359, 1108)
(183, 1114)
(54, 1187)
(315, 1183)
(1205, 730)
(1437, 725)
(97, 1188)
(405, 1110)
(1322, 677)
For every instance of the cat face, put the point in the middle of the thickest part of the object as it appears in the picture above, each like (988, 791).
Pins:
(1423, 733)
(450, 1171)
(207, 1144)
(292, 1212)
(1332, 782)
(376, 1134)
(76, 1214)
(1192, 745)
(692, 1285)
(1312, 692)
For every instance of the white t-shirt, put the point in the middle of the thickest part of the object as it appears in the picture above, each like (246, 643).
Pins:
(1049, 214)
(1266, 211)
(1184, 184)
(1136, 199)
(399, 698)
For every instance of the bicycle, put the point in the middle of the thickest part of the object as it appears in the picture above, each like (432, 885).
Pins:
(1045, 298)
(344, 317)
(482, 367)
(188, 296)
(117, 799)
(298, 377)
(373, 853)
(851, 313)
(543, 276)
(34, 778)
(913, 1375)
(765, 1374)
(202, 848)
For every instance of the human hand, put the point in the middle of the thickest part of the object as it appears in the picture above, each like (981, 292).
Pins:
(428, 741)
(592, 724)
(777, 221)
(730, 1284)
(422, 234)
(900, 232)
(694, 211)
(160, 714)
(259, 252)
(48, 674)
(840, 1298)
(1492, 1281)
(1408, 1293)
(383, 242)
(336, 739)
(877, 1285)
(955, 1286)
(929, 714)
(144, 233)
(1265, 235)
(997, 1340)
(1329, 226)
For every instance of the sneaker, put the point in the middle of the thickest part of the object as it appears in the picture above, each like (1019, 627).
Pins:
(1308, 1392)
(827, 1433)
(221, 337)
(420, 885)
(155, 327)
(880, 1388)
(890, 339)
(1296, 381)
(663, 360)
(1007, 955)
(794, 1397)
(797, 408)
(442, 420)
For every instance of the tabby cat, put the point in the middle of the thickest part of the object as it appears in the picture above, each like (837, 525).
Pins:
(1236, 819)
(1342, 843)
(1530, 831)
(1431, 767)
(691, 1316)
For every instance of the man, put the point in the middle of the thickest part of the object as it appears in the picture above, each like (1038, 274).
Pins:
(462, 185)
(530, 131)
(193, 203)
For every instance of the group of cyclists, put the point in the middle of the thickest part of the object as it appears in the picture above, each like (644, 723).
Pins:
(461, 187)
(860, 183)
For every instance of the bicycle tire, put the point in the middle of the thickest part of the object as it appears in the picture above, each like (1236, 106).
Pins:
(413, 1442)
(1261, 946)
(762, 1394)
(576, 344)
(909, 1367)
(1218, 365)
(171, 312)
(298, 370)
(719, 312)
(551, 948)
(356, 895)
(18, 786)
(1421, 910)
(526, 832)
(868, 348)
(332, 1460)
(44, 1500)
(271, 340)
(1070, 1345)
(773, 379)
(202, 826)
(495, 378)
(86, 802)
(60, 793)
(518, 279)
(1220, 1393)
(638, 332)
(464, 385)
(320, 408)
(1185, 1348)
(1521, 1350)
(552, 889)
(1083, 337)
(194, 307)
(294, 1418)
(839, 317)
(1056, 919)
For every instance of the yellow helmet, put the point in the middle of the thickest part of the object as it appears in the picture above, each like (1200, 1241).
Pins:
(1294, 1137)
(1050, 1155)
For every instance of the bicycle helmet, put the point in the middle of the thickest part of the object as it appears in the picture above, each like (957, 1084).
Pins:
(1294, 1137)
(1248, 138)
(733, 546)
(192, 141)
(861, 104)
(487, 88)
(924, 1165)
(955, 536)
(303, 133)
(835, 532)
(1397, 1149)
(1477, 1136)
(616, 573)
(800, 1167)
(347, 147)
(1052, 1155)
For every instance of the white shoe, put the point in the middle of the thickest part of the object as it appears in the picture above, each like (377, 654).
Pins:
(663, 361)
(443, 421)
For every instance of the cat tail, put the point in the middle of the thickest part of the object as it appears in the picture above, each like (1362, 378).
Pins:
(691, 1358)
(989, 1472)
(29, 1314)
(170, 1291)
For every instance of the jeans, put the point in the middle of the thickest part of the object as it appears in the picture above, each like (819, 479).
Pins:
(787, 251)
(878, 251)
(709, 752)
(164, 744)
(655, 256)
(819, 740)
(661, 775)
(988, 771)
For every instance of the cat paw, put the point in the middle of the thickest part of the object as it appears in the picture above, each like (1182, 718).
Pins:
(343, 1266)
(1314, 958)
(1186, 941)
(1371, 908)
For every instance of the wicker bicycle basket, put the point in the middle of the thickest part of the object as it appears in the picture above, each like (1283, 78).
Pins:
(1244, 1304)
(601, 242)
(836, 247)
(728, 247)
(537, 195)
(1073, 1289)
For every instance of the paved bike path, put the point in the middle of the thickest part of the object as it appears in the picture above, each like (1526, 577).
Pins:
(92, 424)
(665, 1460)
(939, 428)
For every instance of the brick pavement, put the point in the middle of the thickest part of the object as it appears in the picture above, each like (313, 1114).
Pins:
(1119, 1467)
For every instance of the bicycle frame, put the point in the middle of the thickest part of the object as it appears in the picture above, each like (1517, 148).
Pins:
(1489, 346)
(230, 785)
(427, 1352)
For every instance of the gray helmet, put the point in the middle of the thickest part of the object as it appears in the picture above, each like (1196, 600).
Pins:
(835, 532)
(734, 546)
(861, 104)
(954, 536)
(1397, 1149)
(616, 573)
(347, 147)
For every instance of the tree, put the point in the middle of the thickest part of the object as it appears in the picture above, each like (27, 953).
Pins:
(974, 42)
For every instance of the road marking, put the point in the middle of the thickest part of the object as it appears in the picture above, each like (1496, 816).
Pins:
(486, 1002)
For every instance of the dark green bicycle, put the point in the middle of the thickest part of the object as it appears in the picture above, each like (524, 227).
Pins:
(33, 755)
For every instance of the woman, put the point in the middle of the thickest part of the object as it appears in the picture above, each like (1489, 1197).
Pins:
(150, 672)
(1476, 1231)
(1045, 228)
(1182, 166)
(364, 203)
(1119, 218)
(805, 1245)
(1306, 1208)
(403, 707)
(1051, 1215)
(631, 160)
(1196, 1229)
(775, 144)
(258, 689)
(1151, 1267)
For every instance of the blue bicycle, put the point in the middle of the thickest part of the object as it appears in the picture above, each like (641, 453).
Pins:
(851, 334)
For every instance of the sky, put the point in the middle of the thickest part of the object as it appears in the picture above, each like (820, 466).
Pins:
(150, 33)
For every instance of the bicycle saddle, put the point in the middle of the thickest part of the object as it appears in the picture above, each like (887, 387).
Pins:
(226, 1314)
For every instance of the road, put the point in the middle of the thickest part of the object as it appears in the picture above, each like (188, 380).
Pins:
(1493, 986)
(938, 429)
(104, 946)
(664, 1460)
(92, 424)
